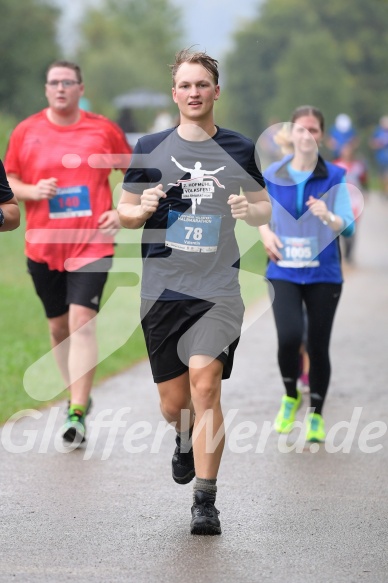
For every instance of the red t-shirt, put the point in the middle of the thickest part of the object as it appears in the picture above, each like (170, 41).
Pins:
(81, 157)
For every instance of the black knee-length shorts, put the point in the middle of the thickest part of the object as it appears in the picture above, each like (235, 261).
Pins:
(176, 330)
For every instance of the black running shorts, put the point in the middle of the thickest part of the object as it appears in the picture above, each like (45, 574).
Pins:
(176, 330)
(58, 289)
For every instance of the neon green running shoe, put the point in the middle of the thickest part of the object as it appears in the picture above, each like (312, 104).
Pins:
(285, 419)
(315, 428)
(74, 430)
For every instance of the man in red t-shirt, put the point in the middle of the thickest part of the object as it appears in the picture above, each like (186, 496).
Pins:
(58, 162)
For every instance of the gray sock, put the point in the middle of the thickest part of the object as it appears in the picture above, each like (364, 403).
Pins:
(205, 486)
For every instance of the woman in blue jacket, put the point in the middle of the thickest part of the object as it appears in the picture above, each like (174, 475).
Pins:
(311, 208)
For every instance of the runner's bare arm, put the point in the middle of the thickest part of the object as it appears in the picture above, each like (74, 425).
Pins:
(271, 243)
(44, 189)
(11, 214)
(134, 210)
(252, 207)
(109, 222)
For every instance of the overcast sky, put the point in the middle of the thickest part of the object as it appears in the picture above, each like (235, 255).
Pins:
(211, 23)
(207, 23)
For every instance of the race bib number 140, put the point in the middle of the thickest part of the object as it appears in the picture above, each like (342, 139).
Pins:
(73, 201)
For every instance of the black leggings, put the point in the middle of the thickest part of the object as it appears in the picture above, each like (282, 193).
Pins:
(321, 300)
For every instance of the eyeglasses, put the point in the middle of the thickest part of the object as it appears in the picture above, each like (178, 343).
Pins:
(65, 83)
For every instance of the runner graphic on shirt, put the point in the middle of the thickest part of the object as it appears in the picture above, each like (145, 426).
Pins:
(196, 188)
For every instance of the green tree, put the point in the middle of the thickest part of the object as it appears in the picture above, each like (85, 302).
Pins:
(361, 32)
(27, 46)
(127, 45)
(331, 54)
(315, 88)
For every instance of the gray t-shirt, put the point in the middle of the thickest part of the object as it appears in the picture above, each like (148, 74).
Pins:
(189, 248)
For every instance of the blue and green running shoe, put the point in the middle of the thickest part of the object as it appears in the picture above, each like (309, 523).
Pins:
(285, 419)
(315, 428)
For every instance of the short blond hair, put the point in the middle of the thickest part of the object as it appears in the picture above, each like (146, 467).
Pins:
(189, 56)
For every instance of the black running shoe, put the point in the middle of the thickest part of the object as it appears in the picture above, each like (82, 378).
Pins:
(204, 514)
(183, 470)
(74, 430)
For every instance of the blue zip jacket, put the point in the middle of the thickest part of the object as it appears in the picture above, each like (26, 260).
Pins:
(311, 252)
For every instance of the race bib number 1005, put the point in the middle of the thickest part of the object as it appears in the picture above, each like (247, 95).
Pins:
(299, 252)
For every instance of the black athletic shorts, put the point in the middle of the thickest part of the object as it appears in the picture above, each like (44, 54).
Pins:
(176, 330)
(58, 289)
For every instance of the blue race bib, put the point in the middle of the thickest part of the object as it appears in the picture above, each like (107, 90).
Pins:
(73, 201)
(193, 233)
(299, 252)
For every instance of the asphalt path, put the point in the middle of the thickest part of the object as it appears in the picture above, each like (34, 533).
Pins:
(109, 511)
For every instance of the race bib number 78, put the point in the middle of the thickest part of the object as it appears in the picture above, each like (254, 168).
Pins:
(193, 233)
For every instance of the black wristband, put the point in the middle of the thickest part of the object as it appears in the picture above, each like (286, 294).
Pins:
(2, 218)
